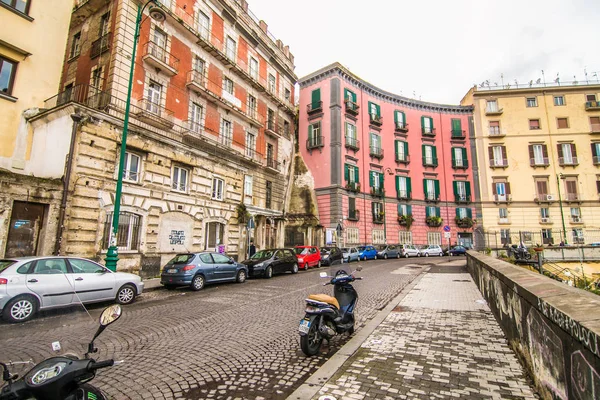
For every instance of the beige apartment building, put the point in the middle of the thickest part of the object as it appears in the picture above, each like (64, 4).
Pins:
(538, 163)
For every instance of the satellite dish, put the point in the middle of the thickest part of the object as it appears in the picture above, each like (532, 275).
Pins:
(157, 14)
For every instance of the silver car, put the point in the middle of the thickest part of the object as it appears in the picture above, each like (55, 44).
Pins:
(409, 250)
(30, 284)
(350, 254)
(432, 250)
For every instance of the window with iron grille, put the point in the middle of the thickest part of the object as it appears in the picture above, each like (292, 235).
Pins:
(434, 238)
(404, 237)
(128, 233)
(268, 194)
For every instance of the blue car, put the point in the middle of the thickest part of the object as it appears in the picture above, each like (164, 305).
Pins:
(367, 253)
(197, 269)
(458, 251)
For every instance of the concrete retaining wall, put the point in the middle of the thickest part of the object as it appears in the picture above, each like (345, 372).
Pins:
(565, 253)
(554, 328)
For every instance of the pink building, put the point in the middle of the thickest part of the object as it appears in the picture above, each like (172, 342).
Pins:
(388, 169)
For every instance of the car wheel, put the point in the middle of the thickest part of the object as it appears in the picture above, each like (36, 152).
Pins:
(365, 258)
(20, 309)
(397, 255)
(319, 264)
(126, 295)
(426, 254)
(241, 276)
(295, 268)
(441, 254)
(197, 283)
(306, 266)
(385, 256)
(269, 272)
(405, 255)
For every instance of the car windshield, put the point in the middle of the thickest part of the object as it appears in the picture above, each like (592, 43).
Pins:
(262, 254)
(325, 250)
(302, 250)
(181, 259)
(5, 264)
(345, 250)
(381, 247)
(362, 248)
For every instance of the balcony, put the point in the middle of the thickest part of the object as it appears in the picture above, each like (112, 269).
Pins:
(351, 107)
(352, 143)
(154, 114)
(493, 111)
(503, 221)
(592, 106)
(353, 186)
(403, 194)
(495, 131)
(406, 220)
(353, 215)
(460, 164)
(196, 81)
(273, 128)
(314, 142)
(378, 217)
(595, 128)
(428, 131)
(502, 198)
(272, 163)
(100, 45)
(458, 134)
(462, 198)
(403, 158)
(498, 163)
(401, 127)
(81, 94)
(545, 220)
(312, 108)
(465, 222)
(376, 152)
(375, 120)
(159, 58)
(430, 161)
(432, 197)
(377, 192)
(539, 162)
(544, 198)
(576, 219)
(565, 161)
(572, 198)
(433, 221)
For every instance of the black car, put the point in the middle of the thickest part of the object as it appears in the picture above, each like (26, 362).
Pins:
(267, 262)
(331, 255)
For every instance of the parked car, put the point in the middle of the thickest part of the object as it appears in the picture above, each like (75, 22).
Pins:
(308, 256)
(31, 284)
(389, 251)
(432, 250)
(197, 269)
(409, 250)
(350, 254)
(457, 251)
(331, 255)
(367, 252)
(268, 262)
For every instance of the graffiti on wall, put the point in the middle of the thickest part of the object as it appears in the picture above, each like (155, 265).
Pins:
(177, 237)
(585, 380)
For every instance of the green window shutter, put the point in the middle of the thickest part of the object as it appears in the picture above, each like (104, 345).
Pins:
(469, 213)
(425, 187)
(316, 97)
(396, 115)
(405, 148)
(346, 173)
(371, 179)
(408, 187)
(437, 212)
(423, 146)
(457, 210)
(409, 209)
(431, 123)
(378, 110)
(437, 188)
(399, 209)
(356, 175)
(455, 187)
(468, 188)
(396, 144)
(456, 125)
(453, 156)
(465, 161)
(434, 153)
(310, 132)
(349, 95)
(381, 181)
(397, 185)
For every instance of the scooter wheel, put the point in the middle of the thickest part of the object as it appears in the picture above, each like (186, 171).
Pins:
(311, 342)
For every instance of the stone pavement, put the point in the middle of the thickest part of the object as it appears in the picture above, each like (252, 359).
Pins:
(440, 341)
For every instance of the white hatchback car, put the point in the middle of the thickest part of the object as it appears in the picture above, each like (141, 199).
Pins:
(30, 284)
(408, 250)
(432, 250)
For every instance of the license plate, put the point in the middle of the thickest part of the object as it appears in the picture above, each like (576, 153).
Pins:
(304, 326)
(172, 271)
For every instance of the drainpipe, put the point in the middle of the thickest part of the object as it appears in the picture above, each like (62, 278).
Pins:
(63, 205)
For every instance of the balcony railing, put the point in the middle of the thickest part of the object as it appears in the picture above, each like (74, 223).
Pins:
(351, 107)
(462, 198)
(502, 198)
(403, 158)
(572, 197)
(82, 94)
(314, 142)
(568, 161)
(272, 163)
(353, 215)
(592, 105)
(154, 114)
(428, 131)
(376, 152)
(352, 143)
(543, 162)
(377, 192)
(196, 80)
(595, 128)
(314, 107)
(378, 217)
(403, 194)
(430, 161)
(273, 126)
(496, 131)
(544, 198)
(503, 220)
(498, 163)
(160, 58)
(458, 134)
(458, 164)
(401, 126)
(353, 186)
(493, 111)
(100, 45)
(432, 197)
(375, 119)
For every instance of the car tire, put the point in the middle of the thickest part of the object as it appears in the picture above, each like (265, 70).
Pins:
(126, 294)
(397, 255)
(385, 256)
(319, 264)
(306, 266)
(426, 254)
(295, 268)
(20, 309)
(241, 276)
(198, 283)
(269, 272)
(405, 255)
(441, 254)
(364, 258)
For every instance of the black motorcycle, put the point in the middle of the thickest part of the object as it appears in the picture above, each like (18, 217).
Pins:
(61, 377)
(521, 253)
(327, 316)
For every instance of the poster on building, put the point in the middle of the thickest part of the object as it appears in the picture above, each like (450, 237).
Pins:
(221, 248)
(329, 236)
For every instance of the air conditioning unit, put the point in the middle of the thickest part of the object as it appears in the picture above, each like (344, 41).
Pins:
(545, 220)
(549, 197)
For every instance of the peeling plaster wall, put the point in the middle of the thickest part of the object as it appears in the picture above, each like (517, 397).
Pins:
(554, 328)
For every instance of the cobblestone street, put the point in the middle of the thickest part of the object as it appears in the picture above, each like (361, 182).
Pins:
(224, 342)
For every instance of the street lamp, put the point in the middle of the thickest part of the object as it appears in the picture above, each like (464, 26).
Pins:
(562, 214)
(112, 255)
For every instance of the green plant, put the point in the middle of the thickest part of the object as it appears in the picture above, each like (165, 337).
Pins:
(406, 220)
(487, 251)
(242, 213)
(434, 220)
(465, 222)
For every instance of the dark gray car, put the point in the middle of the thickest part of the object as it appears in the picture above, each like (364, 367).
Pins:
(389, 251)
(197, 269)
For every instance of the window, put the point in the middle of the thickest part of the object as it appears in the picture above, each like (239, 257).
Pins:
(217, 188)
(531, 102)
(104, 24)
(378, 236)
(534, 124)
(401, 151)
(538, 155)
(270, 154)
(253, 68)
(95, 81)
(314, 134)
(562, 123)
(351, 140)
(19, 5)
(590, 97)
(505, 236)
(427, 125)
(250, 144)
(131, 169)
(403, 187)
(571, 186)
(404, 209)
(462, 212)
(497, 156)
(559, 100)
(494, 128)
(429, 155)
(400, 119)
(230, 46)
(434, 238)
(376, 180)
(248, 181)
(378, 213)
(492, 106)
(567, 154)
(154, 97)
(503, 213)
(462, 190)
(578, 236)
(272, 83)
(228, 85)
(352, 215)
(287, 94)
(375, 144)
(541, 188)
(352, 235)
(457, 131)
(501, 190)
(432, 189)
(215, 233)
(270, 119)
(128, 234)
(351, 173)
(459, 157)
(575, 214)
(199, 66)
(286, 128)
(252, 106)
(196, 117)
(203, 25)
(160, 41)
(268, 194)
(545, 214)
(7, 75)
(226, 132)
(547, 236)
(594, 123)
(75, 45)
(404, 237)
(180, 179)
(374, 112)
(596, 153)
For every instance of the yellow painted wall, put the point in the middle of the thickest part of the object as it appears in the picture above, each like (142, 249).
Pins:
(524, 213)
(37, 75)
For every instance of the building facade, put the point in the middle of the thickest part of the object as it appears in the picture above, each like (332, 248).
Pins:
(29, 74)
(210, 131)
(386, 169)
(538, 162)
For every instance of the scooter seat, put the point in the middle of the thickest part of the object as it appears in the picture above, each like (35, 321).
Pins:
(325, 299)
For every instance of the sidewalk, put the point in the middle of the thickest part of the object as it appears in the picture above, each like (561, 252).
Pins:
(439, 341)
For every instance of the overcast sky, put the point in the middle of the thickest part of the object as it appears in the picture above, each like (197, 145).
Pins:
(439, 49)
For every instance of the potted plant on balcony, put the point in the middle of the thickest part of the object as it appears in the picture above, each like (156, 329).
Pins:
(353, 186)
(434, 221)
(465, 222)
(377, 192)
(406, 220)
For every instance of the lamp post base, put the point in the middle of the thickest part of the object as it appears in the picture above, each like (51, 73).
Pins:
(112, 256)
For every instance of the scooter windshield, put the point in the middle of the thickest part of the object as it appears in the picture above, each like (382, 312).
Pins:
(338, 269)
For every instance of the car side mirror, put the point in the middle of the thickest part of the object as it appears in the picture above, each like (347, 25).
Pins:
(230, 261)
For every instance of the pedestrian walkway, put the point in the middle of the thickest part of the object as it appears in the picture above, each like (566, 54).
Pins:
(440, 341)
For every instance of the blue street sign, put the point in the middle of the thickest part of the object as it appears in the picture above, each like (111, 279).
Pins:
(446, 228)
(251, 223)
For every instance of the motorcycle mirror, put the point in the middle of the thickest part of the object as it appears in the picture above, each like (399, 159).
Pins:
(110, 315)
(359, 268)
(323, 274)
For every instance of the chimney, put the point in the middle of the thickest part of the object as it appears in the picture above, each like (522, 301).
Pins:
(263, 26)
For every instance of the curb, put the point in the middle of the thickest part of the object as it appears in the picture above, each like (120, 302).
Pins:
(316, 381)
(154, 285)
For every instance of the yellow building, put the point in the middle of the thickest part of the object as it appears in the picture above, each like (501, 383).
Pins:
(538, 163)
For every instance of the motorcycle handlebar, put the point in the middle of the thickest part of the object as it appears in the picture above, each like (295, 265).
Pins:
(100, 364)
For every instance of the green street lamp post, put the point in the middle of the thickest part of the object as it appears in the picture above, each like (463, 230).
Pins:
(112, 255)
(562, 214)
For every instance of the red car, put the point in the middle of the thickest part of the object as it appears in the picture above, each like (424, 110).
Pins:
(308, 256)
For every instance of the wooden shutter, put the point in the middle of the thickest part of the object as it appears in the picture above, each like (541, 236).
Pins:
(491, 154)
(422, 123)
(507, 185)
(437, 188)
(408, 187)
(409, 210)
(545, 151)
(574, 152)
(371, 179)
(468, 188)
(452, 149)
(405, 144)
(494, 191)
(425, 187)
(594, 152)
(356, 175)
(457, 211)
(310, 133)
(531, 155)
(469, 213)
(396, 144)
(437, 212)
(598, 186)
(455, 187)
(571, 187)
(559, 150)
(504, 157)
(351, 204)
(397, 185)
(381, 181)
(456, 125)
(434, 155)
